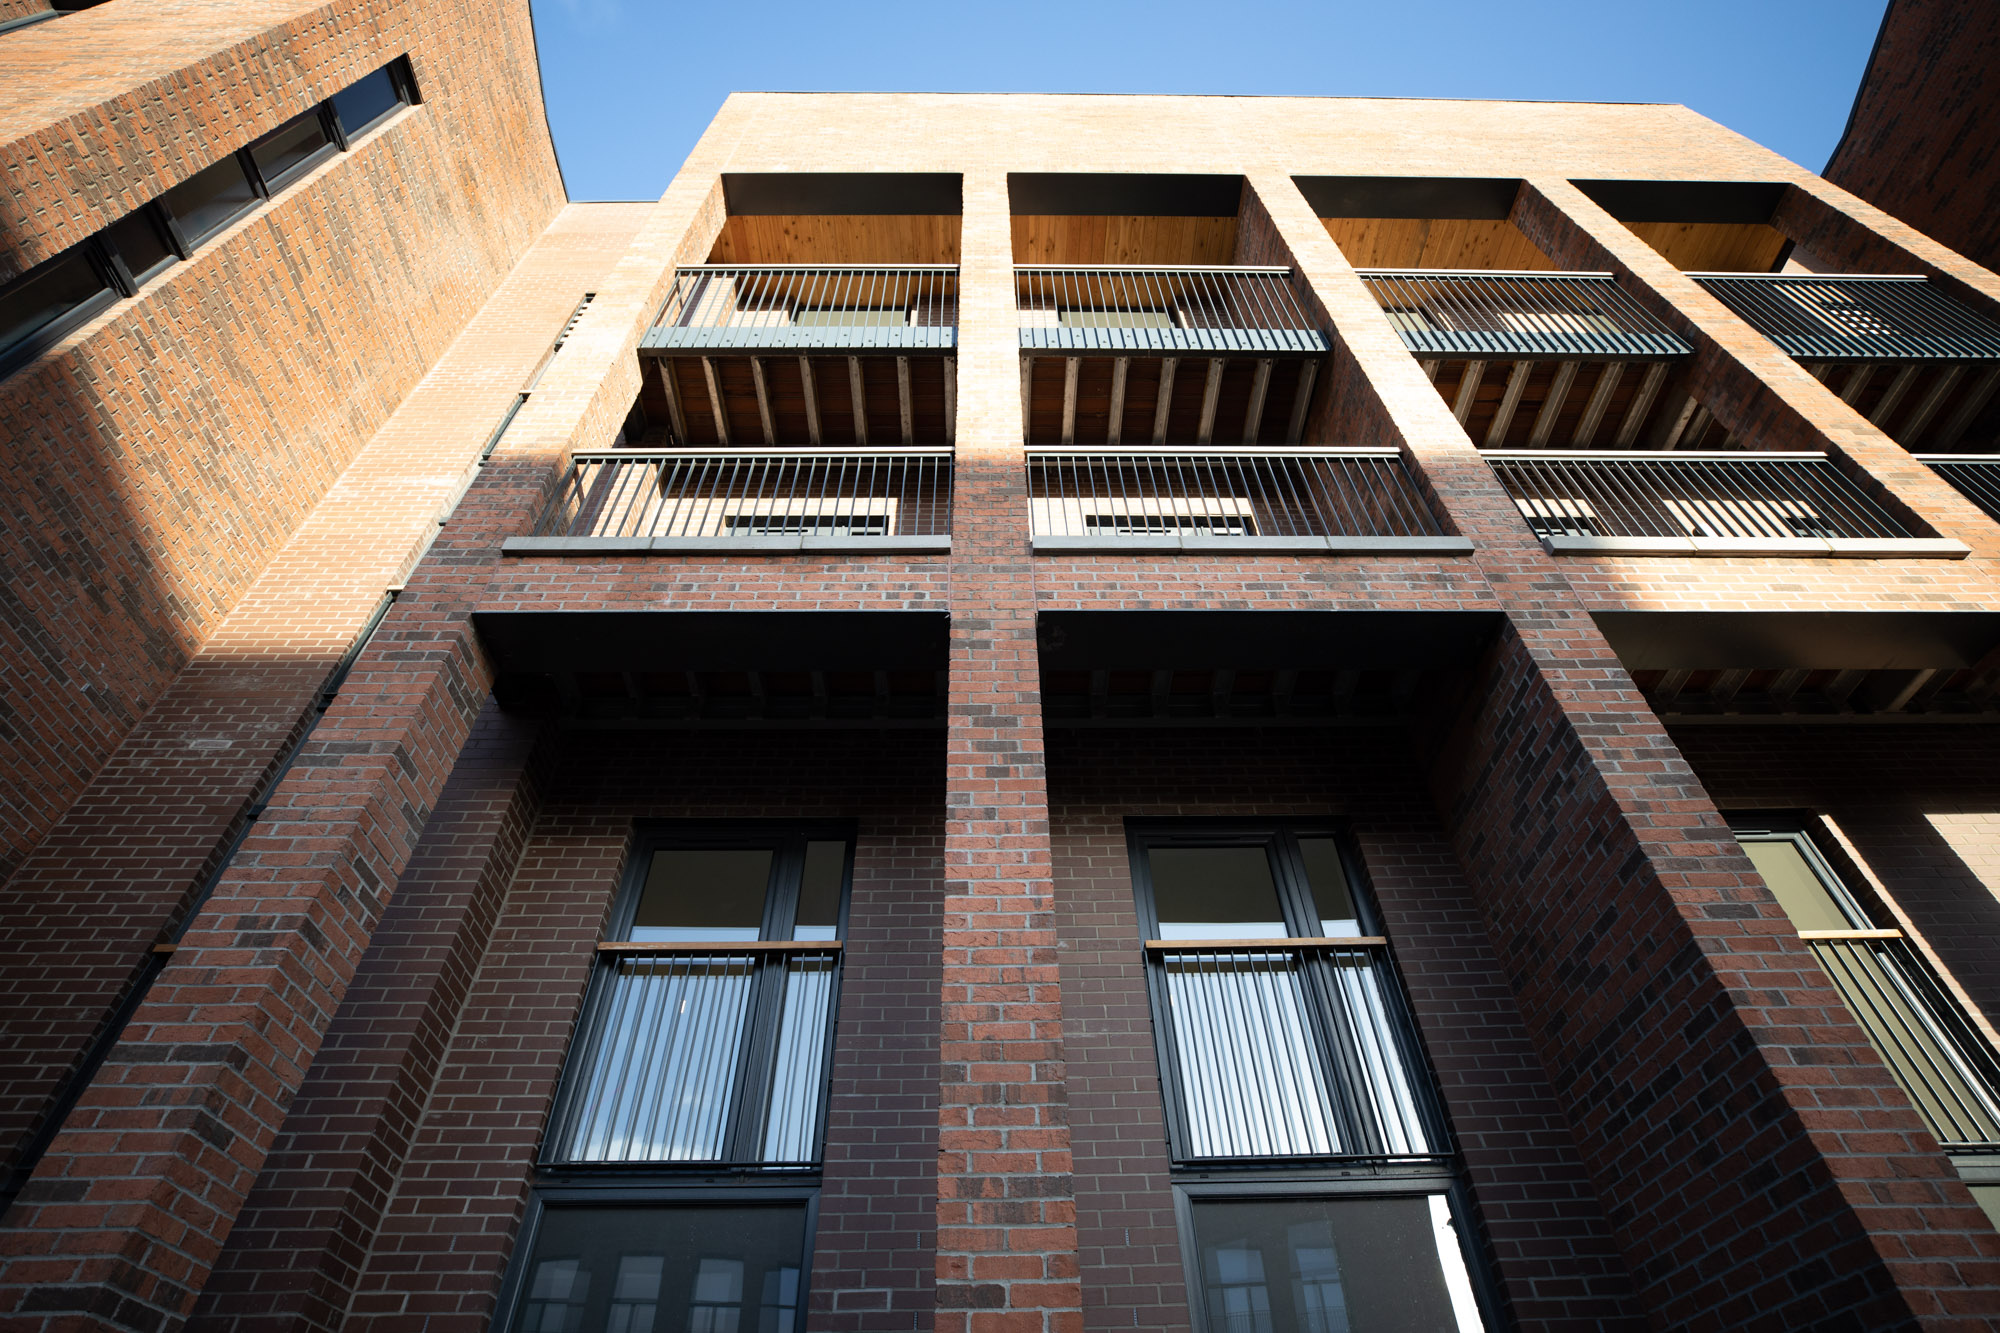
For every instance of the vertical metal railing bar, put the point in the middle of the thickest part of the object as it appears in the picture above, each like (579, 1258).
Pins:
(1976, 477)
(1885, 317)
(1954, 1079)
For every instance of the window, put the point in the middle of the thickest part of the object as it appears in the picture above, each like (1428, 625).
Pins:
(1915, 1024)
(1285, 1045)
(37, 309)
(701, 1054)
(141, 243)
(211, 199)
(368, 101)
(293, 148)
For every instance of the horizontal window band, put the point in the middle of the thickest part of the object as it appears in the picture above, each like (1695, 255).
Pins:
(1338, 942)
(724, 947)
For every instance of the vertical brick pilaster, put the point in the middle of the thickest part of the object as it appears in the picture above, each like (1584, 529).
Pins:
(1007, 1244)
(297, 1252)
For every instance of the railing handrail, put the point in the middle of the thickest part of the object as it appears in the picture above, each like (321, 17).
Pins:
(1652, 455)
(1815, 277)
(1956, 458)
(1226, 451)
(760, 451)
(1592, 274)
(627, 948)
(816, 268)
(1153, 268)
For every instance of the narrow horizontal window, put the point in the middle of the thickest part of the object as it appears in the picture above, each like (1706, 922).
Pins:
(141, 244)
(650, 1269)
(210, 200)
(361, 104)
(292, 149)
(39, 307)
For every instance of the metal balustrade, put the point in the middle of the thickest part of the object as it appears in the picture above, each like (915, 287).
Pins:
(712, 497)
(830, 308)
(1920, 1031)
(1701, 502)
(659, 1083)
(1289, 1051)
(1816, 317)
(1219, 497)
(1539, 316)
(1164, 312)
(1976, 476)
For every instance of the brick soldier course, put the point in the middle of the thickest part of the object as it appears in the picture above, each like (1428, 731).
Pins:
(328, 1107)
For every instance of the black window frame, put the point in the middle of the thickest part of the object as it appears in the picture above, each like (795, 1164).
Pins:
(1356, 1183)
(185, 242)
(1280, 837)
(269, 184)
(756, 1062)
(631, 1194)
(402, 77)
(95, 255)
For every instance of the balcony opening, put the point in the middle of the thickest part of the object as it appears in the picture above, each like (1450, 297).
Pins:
(1137, 324)
(1426, 222)
(825, 317)
(1700, 226)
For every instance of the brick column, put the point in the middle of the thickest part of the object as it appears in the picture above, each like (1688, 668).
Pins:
(295, 1256)
(1006, 1244)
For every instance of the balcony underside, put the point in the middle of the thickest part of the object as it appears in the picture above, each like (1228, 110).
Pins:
(1932, 405)
(1796, 694)
(1140, 698)
(1571, 404)
(1102, 400)
(812, 400)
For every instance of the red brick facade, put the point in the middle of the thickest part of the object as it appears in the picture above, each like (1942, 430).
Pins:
(326, 1110)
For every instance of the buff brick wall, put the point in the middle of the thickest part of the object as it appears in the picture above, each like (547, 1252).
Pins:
(160, 456)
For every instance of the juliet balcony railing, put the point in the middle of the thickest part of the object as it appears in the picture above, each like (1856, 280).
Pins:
(1648, 503)
(1977, 477)
(801, 499)
(1534, 316)
(1817, 317)
(820, 308)
(1305, 500)
(1233, 312)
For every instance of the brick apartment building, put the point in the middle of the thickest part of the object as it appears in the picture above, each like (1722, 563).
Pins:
(1002, 713)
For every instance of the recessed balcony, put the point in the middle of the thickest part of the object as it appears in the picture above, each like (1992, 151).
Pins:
(1648, 503)
(639, 501)
(1918, 364)
(1534, 359)
(1296, 501)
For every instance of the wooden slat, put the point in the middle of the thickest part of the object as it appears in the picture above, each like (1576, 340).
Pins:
(1893, 395)
(1850, 392)
(1211, 390)
(1510, 403)
(1116, 427)
(1072, 370)
(675, 413)
(1302, 402)
(855, 388)
(950, 399)
(1920, 416)
(1168, 365)
(811, 391)
(1468, 390)
(727, 947)
(1260, 386)
(763, 400)
(903, 400)
(715, 404)
(1642, 403)
(1552, 406)
(1027, 396)
(1850, 934)
(1968, 408)
(1313, 942)
(1600, 399)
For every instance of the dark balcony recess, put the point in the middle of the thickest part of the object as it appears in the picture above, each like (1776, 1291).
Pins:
(1704, 503)
(1466, 314)
(804, 308)
(800, 500)
(1164, 312)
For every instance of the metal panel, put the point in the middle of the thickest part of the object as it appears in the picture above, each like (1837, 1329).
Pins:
(1489, 314)
(800, 308)
(1225, 495)
(1742, 497)
(1164, 312)
(1819, 318)
(752, 496)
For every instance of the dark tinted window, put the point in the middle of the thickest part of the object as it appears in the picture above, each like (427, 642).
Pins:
(291, 147)
(819, 891)
(363, 103)
(640, 1269)
(1380, 1265)
(703, 894)
(1216, 893)
(211, 200)
(1333, 902)
(30, 306)
(137, 239)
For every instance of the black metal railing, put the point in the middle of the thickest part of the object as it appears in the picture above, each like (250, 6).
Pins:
(1475, 313)
(1217, 493)
(1740, 497)
(1820, 318)
(1920, 1031)
(1164, 312)
(717, 496)
(1977, 477)
(808, 308)
(660, 1081)
(1290, 1051)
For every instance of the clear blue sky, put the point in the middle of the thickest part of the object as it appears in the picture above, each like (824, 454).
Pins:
(632, 83)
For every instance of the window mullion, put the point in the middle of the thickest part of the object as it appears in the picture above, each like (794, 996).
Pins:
(756, 1060)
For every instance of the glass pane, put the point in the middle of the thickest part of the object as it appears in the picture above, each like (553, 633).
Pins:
(659, 1082)
(32, 304)
(1370, 1062)
(1798, 887)
(289, 147)
(690, 1269)
(1215, 893)
(1988, 1197)
(819, 891)
(1252, 1082)
(1332, 899)
(211, 200)
(363, 103)
(799, 1075)
(139, 243)
(1333, 1265)
(703, 894)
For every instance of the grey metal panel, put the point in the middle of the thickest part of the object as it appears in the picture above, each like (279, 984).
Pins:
(830, 339)
(1816, 317)
(1178, 342)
